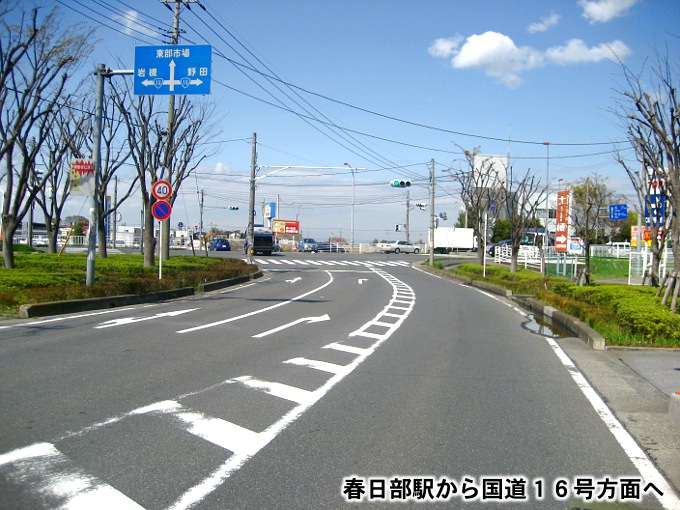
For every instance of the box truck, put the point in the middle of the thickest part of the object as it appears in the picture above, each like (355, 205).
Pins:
(448, 239)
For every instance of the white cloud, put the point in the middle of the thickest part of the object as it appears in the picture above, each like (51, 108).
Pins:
(132, 25)
(545, 23)
(445, 47)
(501, 58)
(498, 55)
(601, 11)
(576, 52)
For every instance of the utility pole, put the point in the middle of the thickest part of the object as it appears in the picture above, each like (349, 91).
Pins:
(251, 200)
(408, 223)
(430, 247)
(164, 251)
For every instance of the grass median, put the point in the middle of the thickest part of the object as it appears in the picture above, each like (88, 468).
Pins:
(44, 277)
(625, 315)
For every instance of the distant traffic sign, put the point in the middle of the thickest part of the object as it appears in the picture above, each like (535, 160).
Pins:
(177, 69)
(618, 212)
(161, 210)
(161, 190)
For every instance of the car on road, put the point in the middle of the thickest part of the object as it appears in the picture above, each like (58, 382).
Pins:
(491, 250)
(330, 247)
(307, 244)
(398, 247)
(219, 245)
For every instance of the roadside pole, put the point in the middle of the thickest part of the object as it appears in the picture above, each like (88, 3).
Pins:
(430, 248)
(251, 201)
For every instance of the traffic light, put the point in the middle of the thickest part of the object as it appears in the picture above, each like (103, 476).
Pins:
(400, 184)
(397, 227)
(233, 208)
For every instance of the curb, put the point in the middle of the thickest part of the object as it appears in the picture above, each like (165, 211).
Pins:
(82, 305)
(571, 324)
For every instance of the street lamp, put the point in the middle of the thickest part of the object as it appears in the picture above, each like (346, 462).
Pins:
(352, 218)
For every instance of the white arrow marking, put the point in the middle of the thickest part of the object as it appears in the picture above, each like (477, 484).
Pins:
(130, 320)
(362, 280)
(308, 320)
(562, 239)
(294, 279)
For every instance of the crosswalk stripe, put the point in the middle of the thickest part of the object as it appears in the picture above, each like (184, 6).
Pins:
(60, 482)
(319, 365)
(284, 391)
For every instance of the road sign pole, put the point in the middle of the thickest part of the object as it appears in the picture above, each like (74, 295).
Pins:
(160, 240)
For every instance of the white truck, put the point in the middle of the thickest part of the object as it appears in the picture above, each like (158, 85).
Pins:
(448, 239)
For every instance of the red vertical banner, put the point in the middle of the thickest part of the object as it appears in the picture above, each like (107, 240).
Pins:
(563, 214)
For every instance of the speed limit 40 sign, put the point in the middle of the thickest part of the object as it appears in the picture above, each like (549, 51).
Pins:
(161, 190)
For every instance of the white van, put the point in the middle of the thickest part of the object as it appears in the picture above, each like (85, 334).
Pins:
(619, 249)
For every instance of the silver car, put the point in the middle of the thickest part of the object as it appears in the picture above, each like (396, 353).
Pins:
(398, 247)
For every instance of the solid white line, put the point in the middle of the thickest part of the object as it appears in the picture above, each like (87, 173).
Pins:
(261, 310)
(283, 391)
(647, 469)
(640, 460)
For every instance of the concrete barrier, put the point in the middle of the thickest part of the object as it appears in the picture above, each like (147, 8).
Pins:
(99, 303)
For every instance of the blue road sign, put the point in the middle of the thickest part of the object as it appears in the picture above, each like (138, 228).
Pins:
(177, 69)
(618, 212)
(161, 210)
(657, 216)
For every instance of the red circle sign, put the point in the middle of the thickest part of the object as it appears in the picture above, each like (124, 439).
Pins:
(161, 190)
(161, 210)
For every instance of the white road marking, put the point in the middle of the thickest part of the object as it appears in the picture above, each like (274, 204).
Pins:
(308, 320)
(347, 348)
(130, 320)
(261, 310)
(70, 317)
(324, 366)
(637, 456)
(85, 492)
(645, 467)
(283, 391)
(294, 280)
(53, 474)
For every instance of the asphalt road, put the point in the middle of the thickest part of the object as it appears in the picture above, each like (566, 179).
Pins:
(333, 374)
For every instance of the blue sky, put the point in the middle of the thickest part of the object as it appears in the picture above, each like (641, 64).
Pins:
(404, 82)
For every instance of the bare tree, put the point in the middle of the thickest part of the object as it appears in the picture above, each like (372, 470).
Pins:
(115, 153)
(590, 200)
(650, 110)
(521, 201)
(35, 58)
(480, 190)
(147, 140)
(67, 138)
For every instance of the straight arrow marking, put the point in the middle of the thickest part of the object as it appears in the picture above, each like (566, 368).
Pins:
(130, 320)
(308, 320)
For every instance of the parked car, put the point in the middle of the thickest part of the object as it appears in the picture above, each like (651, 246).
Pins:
(307, 244)
(398, 247)
(491, 250)
(330, 247)
(219, 245)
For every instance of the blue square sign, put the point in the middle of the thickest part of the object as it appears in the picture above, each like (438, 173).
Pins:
(172, 70)
(618, 212)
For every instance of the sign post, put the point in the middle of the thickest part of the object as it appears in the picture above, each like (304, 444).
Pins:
(161, 210)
